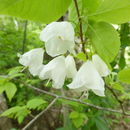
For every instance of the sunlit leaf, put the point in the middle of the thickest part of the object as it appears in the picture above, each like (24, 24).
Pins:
(105, 40)
(124, 75)
(36, 10)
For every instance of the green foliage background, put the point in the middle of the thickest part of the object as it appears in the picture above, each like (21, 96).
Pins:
(113, 45)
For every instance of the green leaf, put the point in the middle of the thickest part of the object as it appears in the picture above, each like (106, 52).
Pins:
(15, 70)
(36, 10)
(69, 125)
(73, 17)
(11, 111)
(10, 89)
(74, 115)
(77, 118)
(90, 6)
(112, 11)
(72, 11)
(81, 56)
(105, 40)
(2, 82)
(125, 96)
(78, 122)
(19, 112)
(74, 105)
(124, 34)
(101, 124)
(36, 103)
(124, 75)
(117, 86)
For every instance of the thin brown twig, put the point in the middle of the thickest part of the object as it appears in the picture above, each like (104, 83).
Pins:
(116, 97)
(80, 26)
(79, 101)
(40, 114)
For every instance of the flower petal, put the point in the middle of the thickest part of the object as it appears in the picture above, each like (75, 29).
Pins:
(70, 67)
(100, 65)
(55, 70)
(33, 57)
(56, 29)
(35, 70)
(88, 78)
(56, 46)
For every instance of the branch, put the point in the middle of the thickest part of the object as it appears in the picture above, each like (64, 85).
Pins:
(116, 97)
(80, 26)
(40, 114)
(78, 100)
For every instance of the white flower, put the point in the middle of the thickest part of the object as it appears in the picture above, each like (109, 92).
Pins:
(36, 69)
(58, 69)
(55, 70)
(58, 38)
(33, 59)
(70, 67)
(100, 66)
(88, 78)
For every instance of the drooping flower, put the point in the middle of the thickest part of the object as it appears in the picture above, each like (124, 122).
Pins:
(100, 66)
(58, 69)
(88, 78)
(58, 38)
(54, 70)
(33, 60)
(70, 67)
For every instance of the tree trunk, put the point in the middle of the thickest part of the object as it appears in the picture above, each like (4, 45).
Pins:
(5, 123)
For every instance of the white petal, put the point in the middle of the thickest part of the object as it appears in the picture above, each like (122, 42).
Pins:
(56, 46)
(99, 92)
(88, 78)
(70, 67)
(100, 65)
(58, 29)
(35, 70)
(33, 57)
(55, 70)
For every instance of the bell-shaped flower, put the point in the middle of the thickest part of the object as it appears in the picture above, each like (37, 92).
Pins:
(88, 78)
(58, 38)
(33, 59)
(100, 66)
(58, 69)
(70, 67)
(55, 70)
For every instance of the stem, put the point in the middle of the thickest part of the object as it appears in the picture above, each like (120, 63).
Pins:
(40, 114)
(116, 97)
(80, 26)
(78, 101)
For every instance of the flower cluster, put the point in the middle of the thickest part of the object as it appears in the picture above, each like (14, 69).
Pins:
(59, 38)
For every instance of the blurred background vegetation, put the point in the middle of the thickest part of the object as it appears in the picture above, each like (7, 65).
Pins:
(18, 36)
